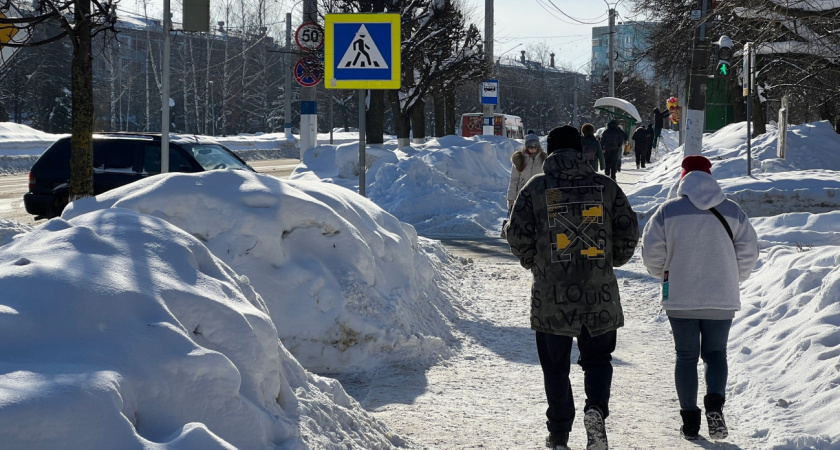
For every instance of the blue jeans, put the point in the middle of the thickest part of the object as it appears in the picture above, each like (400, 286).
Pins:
(700, 338)
(595, 360)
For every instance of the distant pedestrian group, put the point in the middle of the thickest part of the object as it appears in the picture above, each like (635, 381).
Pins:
(571, 226)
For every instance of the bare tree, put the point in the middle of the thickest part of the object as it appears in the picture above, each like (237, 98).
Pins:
(79, 27)
(797, 49)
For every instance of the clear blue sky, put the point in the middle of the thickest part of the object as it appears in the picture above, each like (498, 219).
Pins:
(519, 23)
(564, 25)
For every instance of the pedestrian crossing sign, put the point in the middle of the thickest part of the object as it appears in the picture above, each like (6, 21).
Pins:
(362, 51)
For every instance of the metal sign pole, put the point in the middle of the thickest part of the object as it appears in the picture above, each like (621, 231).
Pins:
(164, 91)
(362, 126)
(748, 78)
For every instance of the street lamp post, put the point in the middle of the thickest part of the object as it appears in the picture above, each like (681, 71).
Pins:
(213, 106)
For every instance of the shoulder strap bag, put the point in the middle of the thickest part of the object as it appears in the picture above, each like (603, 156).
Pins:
(723, 221)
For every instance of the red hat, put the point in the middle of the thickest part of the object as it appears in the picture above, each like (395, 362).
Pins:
(696, 162)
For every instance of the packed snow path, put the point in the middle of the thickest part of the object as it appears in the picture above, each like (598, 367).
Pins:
(490, 395)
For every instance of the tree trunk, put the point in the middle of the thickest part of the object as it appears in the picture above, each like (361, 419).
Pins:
(450, 120)
(81, 140)
(418, 122)
(439, 100)
(402, 123)
(375, 118)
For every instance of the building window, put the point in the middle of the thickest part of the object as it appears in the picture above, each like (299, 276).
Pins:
(596, 42)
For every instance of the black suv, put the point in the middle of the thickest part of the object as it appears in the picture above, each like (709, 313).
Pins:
(119, 159)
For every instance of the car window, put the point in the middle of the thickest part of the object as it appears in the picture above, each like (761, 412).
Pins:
(112, 155)
(214, 156)
(177, 161)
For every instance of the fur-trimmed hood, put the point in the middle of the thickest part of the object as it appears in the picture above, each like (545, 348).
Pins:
(518, 158)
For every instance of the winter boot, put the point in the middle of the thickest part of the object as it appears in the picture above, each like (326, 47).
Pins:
(714, 416)
(557, 441)
(596, 432)
(691, 424)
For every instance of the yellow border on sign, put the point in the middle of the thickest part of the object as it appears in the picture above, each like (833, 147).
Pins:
(329, 52)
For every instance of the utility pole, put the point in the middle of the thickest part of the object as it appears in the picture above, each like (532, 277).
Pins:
(309, 95)
(487, 109)
(696, 107)
(287, 87)
(164, 91)
(611, 56)
(575, 122)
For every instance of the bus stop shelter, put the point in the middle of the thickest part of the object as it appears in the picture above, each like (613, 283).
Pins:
(622, 112)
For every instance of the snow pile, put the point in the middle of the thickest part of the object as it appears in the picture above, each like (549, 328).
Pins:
(806, 180)
(9, 229)
(120, 330)
(786, 340)
(17, 139)
(347, 285)
(449, 186)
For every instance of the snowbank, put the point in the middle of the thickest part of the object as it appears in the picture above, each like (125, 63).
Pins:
(451, 186)
(120, 330)
(347, 285)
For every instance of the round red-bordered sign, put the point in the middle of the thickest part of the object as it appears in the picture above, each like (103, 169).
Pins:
(309, 36)
(309, 71)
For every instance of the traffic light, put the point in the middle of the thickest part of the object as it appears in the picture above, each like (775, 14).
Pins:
(724, 52)
(723, 69)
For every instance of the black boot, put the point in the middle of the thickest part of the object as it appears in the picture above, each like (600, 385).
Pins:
(557, 441)
(691, 424)
(714, 416)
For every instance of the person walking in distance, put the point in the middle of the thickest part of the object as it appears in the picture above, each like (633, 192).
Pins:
(658, 118)
(527, 162)
(701, 245)
(612, 141)
(593, 154)
(640, 146)
(650, 134)
(570, 227)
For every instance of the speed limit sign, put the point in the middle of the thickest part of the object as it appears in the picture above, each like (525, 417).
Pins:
(309, 36)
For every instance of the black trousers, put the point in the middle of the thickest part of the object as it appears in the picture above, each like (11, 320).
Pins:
(595, 359)
(611, 157)
(641, 156)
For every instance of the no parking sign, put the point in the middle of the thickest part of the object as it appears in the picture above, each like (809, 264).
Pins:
(309, 71)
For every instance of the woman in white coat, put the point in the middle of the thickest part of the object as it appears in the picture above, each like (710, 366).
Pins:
(701, 245)
(526, 163)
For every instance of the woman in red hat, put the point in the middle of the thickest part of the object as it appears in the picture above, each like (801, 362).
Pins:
(701, 245)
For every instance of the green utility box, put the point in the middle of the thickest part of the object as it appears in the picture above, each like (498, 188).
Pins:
(719, 109)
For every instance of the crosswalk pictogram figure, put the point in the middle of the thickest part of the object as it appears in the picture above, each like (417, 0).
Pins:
(362, 53)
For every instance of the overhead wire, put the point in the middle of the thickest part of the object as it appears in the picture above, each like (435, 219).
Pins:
(554, 8)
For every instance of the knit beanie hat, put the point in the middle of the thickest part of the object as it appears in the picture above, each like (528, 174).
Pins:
(532, 140)
(696, 162)
(563, 137)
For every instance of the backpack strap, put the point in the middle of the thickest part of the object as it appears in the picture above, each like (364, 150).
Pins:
(723, 221)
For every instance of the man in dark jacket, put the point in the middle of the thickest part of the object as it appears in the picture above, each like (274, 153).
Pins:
(658, 118)
(570, 226)
(640, 146)
(612, 141)
(651, 136)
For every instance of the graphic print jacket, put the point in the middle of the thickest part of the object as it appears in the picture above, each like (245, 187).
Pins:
(570, 226)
